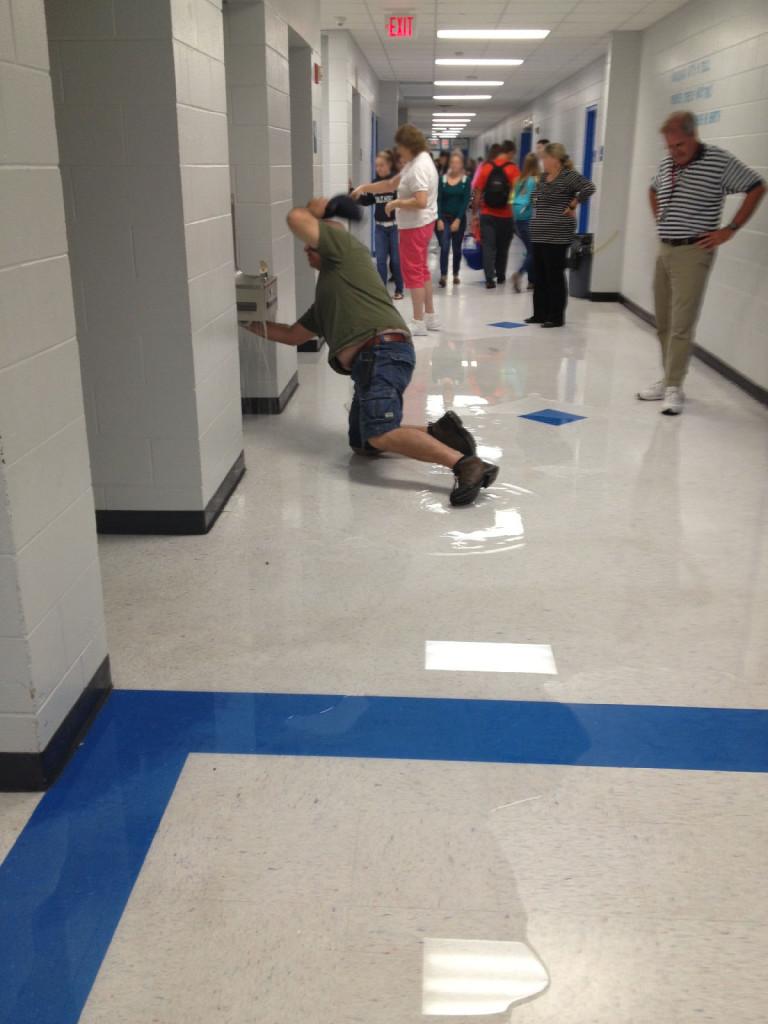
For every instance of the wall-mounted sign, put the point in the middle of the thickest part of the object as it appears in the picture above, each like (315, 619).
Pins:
(401, 26)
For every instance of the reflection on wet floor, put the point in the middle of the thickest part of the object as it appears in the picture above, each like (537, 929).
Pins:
(477, 978)
(496, 525)
(497, 369)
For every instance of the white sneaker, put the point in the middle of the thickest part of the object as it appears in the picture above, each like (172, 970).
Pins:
(418, 329)
(673, 402)
(433, 322)
(654, 393)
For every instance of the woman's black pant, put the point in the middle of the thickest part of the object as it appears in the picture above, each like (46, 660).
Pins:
(550, 292)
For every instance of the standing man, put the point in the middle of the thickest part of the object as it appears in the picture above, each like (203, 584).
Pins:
(368, 339)
(687, 196)
(493, 184)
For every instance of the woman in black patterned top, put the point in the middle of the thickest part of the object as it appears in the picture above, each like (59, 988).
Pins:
(553, 227)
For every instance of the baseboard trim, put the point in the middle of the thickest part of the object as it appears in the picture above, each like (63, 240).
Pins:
(313, 345)
(33, 773)
(173, 523)
(271, 406)
(756, 391)
(605, 297)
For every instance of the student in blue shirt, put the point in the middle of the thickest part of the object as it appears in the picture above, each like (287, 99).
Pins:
(522, 209)
(387, 238)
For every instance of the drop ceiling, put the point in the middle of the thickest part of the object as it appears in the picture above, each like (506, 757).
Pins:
(579, 31)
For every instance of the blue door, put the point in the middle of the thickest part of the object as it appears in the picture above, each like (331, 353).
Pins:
(590, 132)
(526, 138)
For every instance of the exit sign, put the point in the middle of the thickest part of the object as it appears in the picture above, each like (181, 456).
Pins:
(400, 26)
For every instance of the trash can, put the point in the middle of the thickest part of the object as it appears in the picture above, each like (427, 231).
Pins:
(580, 266)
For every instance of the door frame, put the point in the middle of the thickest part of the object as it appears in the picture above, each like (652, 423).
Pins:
(590, 138)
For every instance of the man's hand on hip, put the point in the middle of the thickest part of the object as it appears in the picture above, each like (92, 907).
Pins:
(715, 238)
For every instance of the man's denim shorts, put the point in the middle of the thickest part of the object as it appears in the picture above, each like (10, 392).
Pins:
(380, 374)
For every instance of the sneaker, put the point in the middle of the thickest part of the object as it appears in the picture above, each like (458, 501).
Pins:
(490, 284)
(432, 322)
(654, 393)
(451, 431)
(516, 282)
(456, 279)
(673, 402)
(398, 296)
(442, 282)
(500, 280)
(471, 475)
(418, 329)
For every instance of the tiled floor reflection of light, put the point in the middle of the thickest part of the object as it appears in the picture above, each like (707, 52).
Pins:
(460, 656)
(477, 978)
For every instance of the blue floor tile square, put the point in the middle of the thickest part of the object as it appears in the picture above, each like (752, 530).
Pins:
(553, 417)
(508, 324)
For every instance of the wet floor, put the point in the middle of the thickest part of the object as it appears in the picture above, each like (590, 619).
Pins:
(587, 848)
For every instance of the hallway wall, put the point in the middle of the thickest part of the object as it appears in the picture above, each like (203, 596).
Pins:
(52, 634)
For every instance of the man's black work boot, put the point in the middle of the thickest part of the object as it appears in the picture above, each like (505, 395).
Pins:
(471, 474)
(449, 430)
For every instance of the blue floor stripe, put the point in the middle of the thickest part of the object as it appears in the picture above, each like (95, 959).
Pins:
(65, 883)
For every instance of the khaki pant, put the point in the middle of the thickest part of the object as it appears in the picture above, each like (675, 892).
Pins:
(678, 290)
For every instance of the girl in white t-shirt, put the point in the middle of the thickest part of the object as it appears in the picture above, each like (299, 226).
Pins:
(416, 207)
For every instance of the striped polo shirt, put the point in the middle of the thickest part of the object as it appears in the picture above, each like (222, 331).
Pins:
(550, 224)
(690, 198)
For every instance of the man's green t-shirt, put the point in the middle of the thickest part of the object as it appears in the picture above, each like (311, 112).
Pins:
(351, 303)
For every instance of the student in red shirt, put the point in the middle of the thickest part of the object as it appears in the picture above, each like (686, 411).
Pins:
(493, 189)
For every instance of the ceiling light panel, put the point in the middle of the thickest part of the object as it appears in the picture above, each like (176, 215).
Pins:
(463, 96)
(493, 33)
(479, 62)
(464, 84)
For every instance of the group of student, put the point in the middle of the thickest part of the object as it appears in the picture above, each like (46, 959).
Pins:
(416, 197)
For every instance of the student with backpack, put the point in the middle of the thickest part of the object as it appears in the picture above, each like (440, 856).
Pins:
(494, 185)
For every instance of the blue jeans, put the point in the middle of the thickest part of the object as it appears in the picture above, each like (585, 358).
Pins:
(388, 248)
(523, 232)
(380, 375)
(451, 239)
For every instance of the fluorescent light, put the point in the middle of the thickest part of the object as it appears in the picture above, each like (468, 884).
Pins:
(456, 113)
(463, 96)
(493, 33)
(485, 62)
(462, 83)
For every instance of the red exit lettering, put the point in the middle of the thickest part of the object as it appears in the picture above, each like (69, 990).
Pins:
(400, 26)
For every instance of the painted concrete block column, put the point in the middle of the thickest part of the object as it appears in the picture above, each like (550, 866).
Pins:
(622, 77)
(54, 669)
(141, 117)
(258, 88)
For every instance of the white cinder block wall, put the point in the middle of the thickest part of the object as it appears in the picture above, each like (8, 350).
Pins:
(201, 109)
(140, 115)
(258, 84)
(347, 71)
(52, 637)
(715, 62)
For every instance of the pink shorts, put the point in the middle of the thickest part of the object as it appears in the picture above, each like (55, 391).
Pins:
(414, 255)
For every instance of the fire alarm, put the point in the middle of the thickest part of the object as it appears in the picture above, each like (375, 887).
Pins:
(318, 73)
